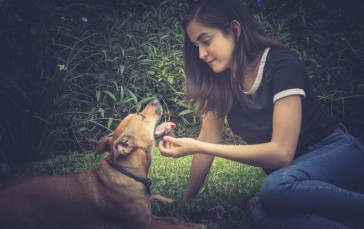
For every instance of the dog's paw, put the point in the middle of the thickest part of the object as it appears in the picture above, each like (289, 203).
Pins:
(161, 199)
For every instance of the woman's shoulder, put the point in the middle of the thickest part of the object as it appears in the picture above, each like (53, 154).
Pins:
(279, 52)
(283, 56)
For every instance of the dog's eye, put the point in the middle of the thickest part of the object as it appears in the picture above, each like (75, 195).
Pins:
(124, 144)
(143, 116)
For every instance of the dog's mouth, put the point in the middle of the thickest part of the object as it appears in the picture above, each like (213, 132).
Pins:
(162, 130)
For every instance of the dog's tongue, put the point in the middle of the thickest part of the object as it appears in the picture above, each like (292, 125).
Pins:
(164, 127)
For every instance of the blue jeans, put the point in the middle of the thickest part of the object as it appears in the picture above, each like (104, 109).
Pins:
(318, 190)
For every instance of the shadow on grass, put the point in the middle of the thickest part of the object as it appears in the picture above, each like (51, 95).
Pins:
(227, 184)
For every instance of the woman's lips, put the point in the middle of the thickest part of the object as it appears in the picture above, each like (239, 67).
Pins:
(210, 62)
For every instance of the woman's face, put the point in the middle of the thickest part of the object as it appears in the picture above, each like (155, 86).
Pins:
(215, 47)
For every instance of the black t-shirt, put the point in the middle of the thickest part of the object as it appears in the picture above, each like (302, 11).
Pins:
(281, 74)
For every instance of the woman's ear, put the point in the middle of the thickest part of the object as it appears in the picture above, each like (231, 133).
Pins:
(235, 27)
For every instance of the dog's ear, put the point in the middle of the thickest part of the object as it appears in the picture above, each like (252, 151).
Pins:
(103, 144)
(124, 145)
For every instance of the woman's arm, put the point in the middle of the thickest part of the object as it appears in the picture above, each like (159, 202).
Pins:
(276, 153)
(201, 163)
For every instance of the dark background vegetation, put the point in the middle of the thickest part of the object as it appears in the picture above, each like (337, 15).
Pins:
(70, 70)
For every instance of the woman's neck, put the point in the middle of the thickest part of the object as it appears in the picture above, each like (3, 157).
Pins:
(250, 74)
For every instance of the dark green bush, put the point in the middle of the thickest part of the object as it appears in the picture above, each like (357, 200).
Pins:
(112, 64)
(73, 69)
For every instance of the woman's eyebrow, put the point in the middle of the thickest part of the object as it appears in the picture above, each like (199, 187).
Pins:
(200, 36)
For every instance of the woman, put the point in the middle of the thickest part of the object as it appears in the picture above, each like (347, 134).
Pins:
(233, 70)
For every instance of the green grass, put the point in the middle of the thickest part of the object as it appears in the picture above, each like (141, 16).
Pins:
(227, 184)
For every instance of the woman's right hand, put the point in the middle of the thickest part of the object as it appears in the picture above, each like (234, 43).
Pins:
(177, 147)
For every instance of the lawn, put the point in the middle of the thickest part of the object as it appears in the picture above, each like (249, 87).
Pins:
(227, 184)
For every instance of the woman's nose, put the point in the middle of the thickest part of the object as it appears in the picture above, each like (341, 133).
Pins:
(202, 52)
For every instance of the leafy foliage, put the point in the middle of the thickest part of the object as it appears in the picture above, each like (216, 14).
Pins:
(73, 69)
(110, 71)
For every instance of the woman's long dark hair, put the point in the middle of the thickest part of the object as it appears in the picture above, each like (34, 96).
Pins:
(213, 91)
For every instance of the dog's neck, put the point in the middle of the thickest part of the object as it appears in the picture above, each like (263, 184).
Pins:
(145, 181)
(134, 165)
(137, 162)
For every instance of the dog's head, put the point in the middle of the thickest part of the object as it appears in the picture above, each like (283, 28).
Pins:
(136, 131)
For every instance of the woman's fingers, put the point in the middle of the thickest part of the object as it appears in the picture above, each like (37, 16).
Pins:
(167, 142)
(176, 147)
(170, 139)
(164, 146)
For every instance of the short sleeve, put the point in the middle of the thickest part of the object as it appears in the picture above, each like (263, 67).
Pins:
(288, 77)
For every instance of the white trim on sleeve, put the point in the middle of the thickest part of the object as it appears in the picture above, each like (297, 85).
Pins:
(293, 91)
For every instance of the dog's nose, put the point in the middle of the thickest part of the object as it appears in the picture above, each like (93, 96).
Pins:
(158, 107)
(154, 102)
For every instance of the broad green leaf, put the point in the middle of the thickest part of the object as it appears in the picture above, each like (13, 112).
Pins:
(111, 95)
(109, 122)
(98, 93)
(82, 129)
(122, 68)
(121, 93)
(185, 112)
(132, 95)
(102, 112)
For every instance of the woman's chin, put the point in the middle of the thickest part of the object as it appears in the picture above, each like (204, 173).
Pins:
(218, 70)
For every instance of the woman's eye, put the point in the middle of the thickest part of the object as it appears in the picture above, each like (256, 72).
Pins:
(206, 42)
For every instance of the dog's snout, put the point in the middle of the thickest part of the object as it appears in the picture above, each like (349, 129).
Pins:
(155, 103)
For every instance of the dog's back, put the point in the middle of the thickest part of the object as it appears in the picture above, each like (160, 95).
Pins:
(96, 198)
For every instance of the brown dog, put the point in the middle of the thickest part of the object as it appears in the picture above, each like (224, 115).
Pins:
(114, 195)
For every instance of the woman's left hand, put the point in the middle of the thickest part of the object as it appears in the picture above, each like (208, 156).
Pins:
(182, 146)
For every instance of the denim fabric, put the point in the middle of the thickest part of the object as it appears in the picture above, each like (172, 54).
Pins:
(318, 190)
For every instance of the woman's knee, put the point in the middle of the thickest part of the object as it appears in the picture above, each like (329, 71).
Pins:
(275, 188)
